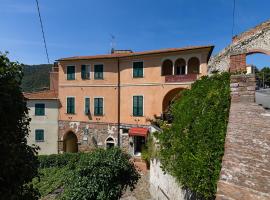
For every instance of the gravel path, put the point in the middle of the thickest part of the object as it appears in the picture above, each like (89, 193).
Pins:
(141, 191)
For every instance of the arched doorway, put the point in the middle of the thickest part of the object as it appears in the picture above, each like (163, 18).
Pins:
(167, 68)
(180, 66)
(70, 142)
(193, 66)
(169, 98)
(110, 142)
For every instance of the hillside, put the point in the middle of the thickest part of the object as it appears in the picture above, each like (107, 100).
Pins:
(36, 77)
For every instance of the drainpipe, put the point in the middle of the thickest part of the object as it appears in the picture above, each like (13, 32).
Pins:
(118, 101)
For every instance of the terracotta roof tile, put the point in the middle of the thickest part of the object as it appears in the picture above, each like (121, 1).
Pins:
(45, 94)
(122, 55)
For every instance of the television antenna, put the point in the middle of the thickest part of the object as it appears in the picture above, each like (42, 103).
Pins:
(113, 43)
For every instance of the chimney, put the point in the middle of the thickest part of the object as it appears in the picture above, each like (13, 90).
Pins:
(54, 77)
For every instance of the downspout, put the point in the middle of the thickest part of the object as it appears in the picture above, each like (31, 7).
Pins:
(118, 101)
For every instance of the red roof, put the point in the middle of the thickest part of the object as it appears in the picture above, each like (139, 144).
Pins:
(45, 94)
(122, 55)
(138, 132)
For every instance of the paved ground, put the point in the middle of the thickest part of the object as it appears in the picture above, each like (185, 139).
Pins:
(141, 192)
(263, 98)
(245, 173)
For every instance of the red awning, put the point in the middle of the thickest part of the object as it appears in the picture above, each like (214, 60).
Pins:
(138, 132)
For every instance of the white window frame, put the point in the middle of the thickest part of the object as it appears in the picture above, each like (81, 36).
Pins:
(133, 68)
(85, 104)
(43, 135)
(103, 105)
(74, 105)
(90, 72)
(132, 105)
(35, 109)
(114, 141)
(94, 71)
(74, 72)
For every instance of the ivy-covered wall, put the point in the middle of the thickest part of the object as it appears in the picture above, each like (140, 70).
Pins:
(191, 148)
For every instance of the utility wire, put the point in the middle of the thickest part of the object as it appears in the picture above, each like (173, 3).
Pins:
(42, 30)
(233, 18)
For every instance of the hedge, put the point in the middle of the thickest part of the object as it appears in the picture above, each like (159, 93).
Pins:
(104, 174)
(191, 149)
(58, 160)
(98, 175)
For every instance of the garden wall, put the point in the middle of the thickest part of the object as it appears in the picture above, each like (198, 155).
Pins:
(163, 186)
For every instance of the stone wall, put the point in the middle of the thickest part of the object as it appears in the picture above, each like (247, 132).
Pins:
(163, 186)
(255, 40)
(90, 135)
(246, 162)
(243, 88)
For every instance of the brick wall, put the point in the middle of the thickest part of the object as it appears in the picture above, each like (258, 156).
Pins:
(246, 162)
(238, 63)
(243, 88)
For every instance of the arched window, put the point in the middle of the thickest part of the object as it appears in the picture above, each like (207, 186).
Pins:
(193, 66)
(167, 68)
(180, 66)
(110, 142)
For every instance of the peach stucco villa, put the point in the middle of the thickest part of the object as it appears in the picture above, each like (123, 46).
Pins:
(108, 100)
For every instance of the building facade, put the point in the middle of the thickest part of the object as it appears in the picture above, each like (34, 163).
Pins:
(110, 100)
(43, 111)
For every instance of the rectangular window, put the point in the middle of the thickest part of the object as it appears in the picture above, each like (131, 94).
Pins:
(137, 69)
(39, 135)
(71, 105)
(98, 106)
(39, 109)
(87, 105)
(85, 72)
(137, 105)
(98, 72)
(70, 72)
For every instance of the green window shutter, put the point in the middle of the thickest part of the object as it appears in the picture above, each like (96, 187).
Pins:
(87, 105)
(40, 109)
(140, 105)
(70, 72)
(137, 105)
(98, 106)
(39, 135)
(138, 69)
(98, 72)
(71, 105)
(83, 71)
(101, 106)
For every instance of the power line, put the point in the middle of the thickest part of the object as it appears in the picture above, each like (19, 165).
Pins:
(42, 30)
(233, 18)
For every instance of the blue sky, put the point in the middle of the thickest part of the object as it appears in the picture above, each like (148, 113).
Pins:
(83, 27)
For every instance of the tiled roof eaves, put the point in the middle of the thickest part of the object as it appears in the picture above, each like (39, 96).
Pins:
(111, 56)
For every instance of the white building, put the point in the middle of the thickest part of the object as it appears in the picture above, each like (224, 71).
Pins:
(43, 110)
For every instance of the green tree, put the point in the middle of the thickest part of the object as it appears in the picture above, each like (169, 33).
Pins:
(101, 175)
(191, 149)
(263, 76)
(18, 161)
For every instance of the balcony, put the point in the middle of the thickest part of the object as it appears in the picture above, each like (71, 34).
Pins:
(181, 78)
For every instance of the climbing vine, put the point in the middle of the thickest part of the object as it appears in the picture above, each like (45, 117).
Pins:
(191, 149)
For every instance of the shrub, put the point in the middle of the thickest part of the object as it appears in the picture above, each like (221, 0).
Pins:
(149, 151)
(51, 179)
(58, 160)
(103, 174)
(191, 149)
(19, 164)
